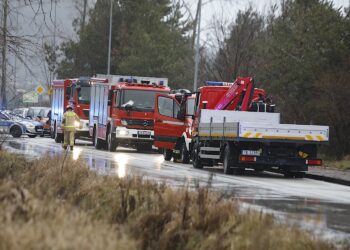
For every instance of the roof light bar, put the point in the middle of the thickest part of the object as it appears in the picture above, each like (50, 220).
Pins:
(211, 83)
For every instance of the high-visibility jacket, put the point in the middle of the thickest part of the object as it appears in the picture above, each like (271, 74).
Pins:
(69, 119)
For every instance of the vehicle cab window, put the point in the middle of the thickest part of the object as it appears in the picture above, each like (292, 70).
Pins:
(168, 107)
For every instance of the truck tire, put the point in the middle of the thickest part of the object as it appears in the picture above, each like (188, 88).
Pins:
(184, 154)
(231, 160)
(111, 142)
(168, 154)
(228, 161)
(196, 160)
(52, 133)
(93, 136)
(58, 137)
(16, 131)
(98, 142)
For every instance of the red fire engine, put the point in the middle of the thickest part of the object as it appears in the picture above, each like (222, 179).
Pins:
(75, 92)
(122, 112)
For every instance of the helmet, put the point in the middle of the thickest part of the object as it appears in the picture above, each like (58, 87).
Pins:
(69, 107)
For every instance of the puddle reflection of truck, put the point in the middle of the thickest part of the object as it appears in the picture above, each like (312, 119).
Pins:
(75, 92)
(122, 112)
(224, 132)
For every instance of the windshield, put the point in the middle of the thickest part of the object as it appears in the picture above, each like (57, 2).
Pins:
(84, 95)
(142, 99)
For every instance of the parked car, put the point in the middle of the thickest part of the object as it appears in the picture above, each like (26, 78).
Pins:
(31, 112)
(44, 117)
(21, 112)
(28, 126)
(8, 126)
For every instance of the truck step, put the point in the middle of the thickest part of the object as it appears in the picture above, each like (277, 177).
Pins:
(210, 149)
(206, 156)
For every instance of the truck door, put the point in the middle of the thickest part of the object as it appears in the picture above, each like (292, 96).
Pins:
(167, 127)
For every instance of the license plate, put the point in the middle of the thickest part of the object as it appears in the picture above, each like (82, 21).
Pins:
(251, 152)
(144, 132)
(39, 130)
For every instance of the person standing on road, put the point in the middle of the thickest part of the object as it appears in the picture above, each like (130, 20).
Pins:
(69, 124)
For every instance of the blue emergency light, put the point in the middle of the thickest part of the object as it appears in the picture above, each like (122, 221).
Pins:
(211, 83)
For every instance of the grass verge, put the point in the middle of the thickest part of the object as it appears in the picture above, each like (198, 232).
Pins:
(43, 206)
(343, 164)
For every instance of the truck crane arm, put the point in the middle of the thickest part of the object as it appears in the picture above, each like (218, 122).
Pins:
(238, 96)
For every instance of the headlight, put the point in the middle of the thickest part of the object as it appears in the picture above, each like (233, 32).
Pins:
(77, 124)
(124, 122)
(29, 125)
(122, 132)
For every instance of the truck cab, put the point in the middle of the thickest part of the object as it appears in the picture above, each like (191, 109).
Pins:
(122, 113)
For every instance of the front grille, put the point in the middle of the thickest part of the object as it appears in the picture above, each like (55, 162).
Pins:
(139, 122)
(145, 136)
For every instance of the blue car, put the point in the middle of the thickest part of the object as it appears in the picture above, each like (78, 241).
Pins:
(7, 126)
(17, 126)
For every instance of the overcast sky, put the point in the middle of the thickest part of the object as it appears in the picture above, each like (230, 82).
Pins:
(219, 9)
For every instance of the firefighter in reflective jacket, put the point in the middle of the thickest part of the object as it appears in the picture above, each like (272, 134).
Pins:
(70, 122)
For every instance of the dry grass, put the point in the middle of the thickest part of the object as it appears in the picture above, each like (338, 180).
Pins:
(343, 164)
(40, 208)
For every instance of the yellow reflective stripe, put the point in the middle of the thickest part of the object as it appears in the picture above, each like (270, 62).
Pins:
(283, 137)
(309, 137)
(320, 138)
(247, 134)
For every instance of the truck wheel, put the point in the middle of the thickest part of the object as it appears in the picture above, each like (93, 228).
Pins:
(184, 154)
(58, 137)
(196, 160)
(98, 142)
(111, 142)
(93, 136)
(168, 154)
(228, 161)
(52, 133)
(16, 131)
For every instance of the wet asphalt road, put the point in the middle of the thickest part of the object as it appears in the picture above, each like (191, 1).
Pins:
(320, 207)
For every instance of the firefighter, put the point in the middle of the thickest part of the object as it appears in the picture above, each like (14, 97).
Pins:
(69, 124)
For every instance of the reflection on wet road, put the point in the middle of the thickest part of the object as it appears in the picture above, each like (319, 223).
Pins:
(322, 207)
